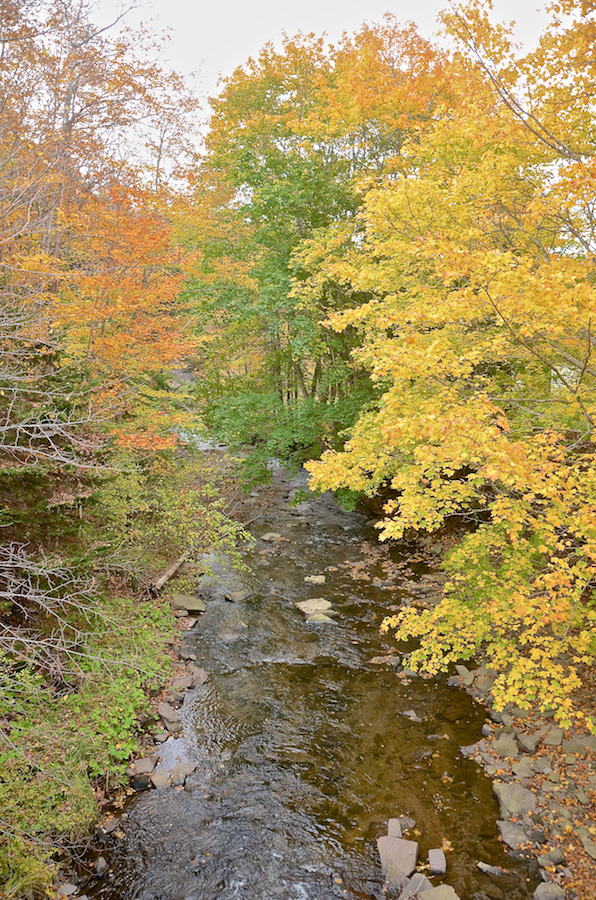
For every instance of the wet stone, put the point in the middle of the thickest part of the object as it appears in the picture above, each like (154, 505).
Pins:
(437, 862)
(100, 866)
(67, 889)
(394, 828)
(321, 618)
(159, 778)
(144, 766)
(180, 772)
(466, 676)
(397, 856)
(513, 835)
(183, 683)
(442, 892)
(169, 717)
(271, 537)
(139, 782)
(188, 603)
(236, 596)
(549, 891)
(417, 883)
(315, 579)
(514, 799)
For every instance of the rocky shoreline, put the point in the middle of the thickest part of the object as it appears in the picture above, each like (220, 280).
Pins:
(544, 778)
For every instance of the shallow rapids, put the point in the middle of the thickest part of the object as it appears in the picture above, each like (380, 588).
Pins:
(304, 737)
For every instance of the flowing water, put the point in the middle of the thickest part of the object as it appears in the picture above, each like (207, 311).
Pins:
(305, 740)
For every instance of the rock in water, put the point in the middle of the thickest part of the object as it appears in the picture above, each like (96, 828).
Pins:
(398, 857)
(437, 862)
(188, 603)
(513, 835)
(417, 883)
(321, 617)
(549, 891)
(271, 537)
(169, 717)
(442, 892)
(514, 799)
(317, 605)
(236, 596)
(315, 579)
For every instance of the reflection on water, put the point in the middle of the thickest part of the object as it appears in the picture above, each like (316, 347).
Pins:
(302, 747)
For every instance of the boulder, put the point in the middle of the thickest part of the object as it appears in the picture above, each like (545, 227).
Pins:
(188, 603)
(418, 882)
(144, 766)
(513, 835)
(505, 746)
(514, 799)
(180, 772)
(199, 676)
(236, 596)
(169, 717)
(466, 676)
(317, 605)
(554, 737)
(183, 683)
(394, 828)
(398, 857)
(524, 768)
(549, 891)
(321, 617)
(528, 742)
(437, 862)
(442, 892)
(159, 778)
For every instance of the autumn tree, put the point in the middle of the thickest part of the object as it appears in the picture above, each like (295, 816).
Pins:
(478, 254)
(292, 133)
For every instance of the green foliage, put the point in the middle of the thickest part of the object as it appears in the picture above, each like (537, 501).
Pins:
(59, 739)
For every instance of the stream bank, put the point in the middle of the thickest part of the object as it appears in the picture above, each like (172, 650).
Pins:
(307, 737)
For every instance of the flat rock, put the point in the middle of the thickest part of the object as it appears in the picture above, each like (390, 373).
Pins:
(514, 799)
(437, 862)
(587, 740)
(528, 742)
(524, 768)
(394, 828)
(159, 778)
(180, 772)
(310, 607)
(199, 676)
(466, 676)
(144, 766)
(315, 579)
(188, 603)
(417, 883)
(160, 736)
(513, 835)
(321, 617)
(397, 855)
(67, 889)
(169, 717)
(573, 747)
(236, 596)
(442, 892)
(505, 746)
(549, 891)
(271, 537)
(183, 683)
(554, 738)
(411, 715)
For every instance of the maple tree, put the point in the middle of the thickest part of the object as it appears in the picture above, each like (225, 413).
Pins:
(478, 255)
(292, 132)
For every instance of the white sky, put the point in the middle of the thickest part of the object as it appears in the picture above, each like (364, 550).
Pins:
(212, 38)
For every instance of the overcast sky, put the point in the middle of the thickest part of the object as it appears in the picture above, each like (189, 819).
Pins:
(213, 37)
